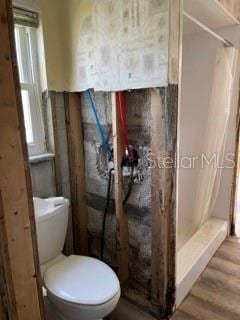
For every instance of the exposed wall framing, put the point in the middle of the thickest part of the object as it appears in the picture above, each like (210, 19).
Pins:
(61, 159)
(236, 173)
(77, 172)
(18, 233)
(232, 6)
(175, 34)
(164, 112)
(3, 311)
(137, 207)
(56, 143)
(121, 217)
(8, 302)
(164, 108)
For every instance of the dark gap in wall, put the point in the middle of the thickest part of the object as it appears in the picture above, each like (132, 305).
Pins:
(138, 207)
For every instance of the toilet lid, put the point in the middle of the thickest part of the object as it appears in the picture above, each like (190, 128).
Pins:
(82, 280)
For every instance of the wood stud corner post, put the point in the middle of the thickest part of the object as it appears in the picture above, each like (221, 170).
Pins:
(236, 170)
(121, 217)
(55, 145)
(163, 203)
(164, 113)
(175, 40)
(19, 254)
(232, 6)
(77, 172)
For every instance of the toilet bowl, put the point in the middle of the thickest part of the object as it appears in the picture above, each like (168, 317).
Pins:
(78, 287)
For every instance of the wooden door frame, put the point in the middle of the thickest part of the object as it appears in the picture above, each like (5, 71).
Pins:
(19, 253)
(164, 216)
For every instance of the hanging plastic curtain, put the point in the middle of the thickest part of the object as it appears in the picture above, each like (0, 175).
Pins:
(214, 143)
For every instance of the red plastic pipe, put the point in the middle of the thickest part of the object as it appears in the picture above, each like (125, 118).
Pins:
(122, 112)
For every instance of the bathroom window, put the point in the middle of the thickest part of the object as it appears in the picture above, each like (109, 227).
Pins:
(27, 57)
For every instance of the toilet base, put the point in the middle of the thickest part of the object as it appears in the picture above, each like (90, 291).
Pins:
(71, 311)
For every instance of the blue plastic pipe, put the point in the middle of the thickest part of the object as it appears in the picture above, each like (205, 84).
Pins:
(92, 103)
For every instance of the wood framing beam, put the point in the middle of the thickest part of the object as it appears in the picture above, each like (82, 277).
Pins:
(7, 290)
(121, 217)
(175, 35)
(236, 172)
(164, 113)
(17, 223)
(232, 6)
(4, 305)
(164, 104)
(56, 143)
(77, 172)
(3, 314)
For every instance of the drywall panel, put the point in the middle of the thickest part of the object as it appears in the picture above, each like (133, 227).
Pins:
(106, 45)
(54, 28)
(123, 45)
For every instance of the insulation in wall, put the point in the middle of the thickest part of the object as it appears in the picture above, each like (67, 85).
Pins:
(138, 205)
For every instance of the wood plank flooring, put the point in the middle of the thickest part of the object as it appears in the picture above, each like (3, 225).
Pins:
(216, 295)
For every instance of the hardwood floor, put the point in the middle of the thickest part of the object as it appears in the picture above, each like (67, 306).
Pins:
(216, 295)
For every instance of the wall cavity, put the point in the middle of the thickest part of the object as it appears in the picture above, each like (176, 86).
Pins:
(138, 205)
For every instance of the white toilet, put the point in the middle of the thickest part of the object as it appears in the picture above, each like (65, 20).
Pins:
(78, 287)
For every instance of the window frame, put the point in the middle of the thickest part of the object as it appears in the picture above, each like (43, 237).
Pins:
(27, 46)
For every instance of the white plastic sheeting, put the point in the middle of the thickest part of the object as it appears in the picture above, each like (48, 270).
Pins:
(214, 142)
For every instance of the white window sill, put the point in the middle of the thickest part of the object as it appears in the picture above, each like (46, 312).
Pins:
(44, 157)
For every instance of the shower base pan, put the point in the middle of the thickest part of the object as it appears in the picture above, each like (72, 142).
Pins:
(195, 255)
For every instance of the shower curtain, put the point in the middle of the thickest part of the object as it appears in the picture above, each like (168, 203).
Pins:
(214, 142)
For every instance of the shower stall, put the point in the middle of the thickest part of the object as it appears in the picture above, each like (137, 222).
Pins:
(207, 113)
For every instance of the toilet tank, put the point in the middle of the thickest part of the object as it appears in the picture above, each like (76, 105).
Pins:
(51, 217)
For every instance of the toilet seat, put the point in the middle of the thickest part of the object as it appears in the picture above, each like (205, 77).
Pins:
(82, 280)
